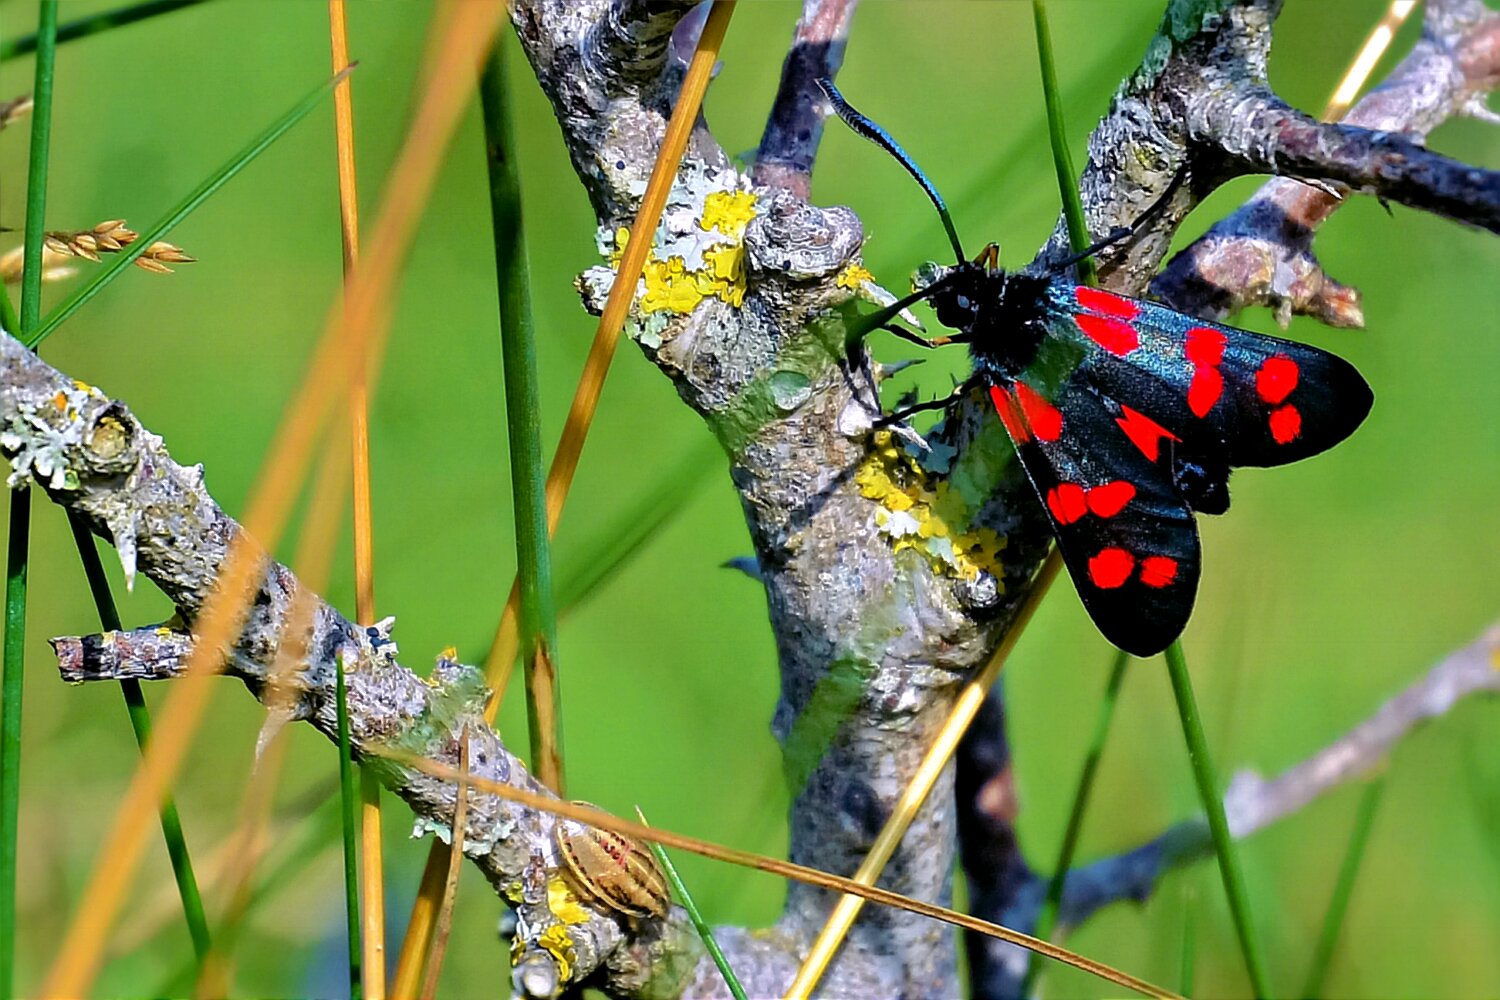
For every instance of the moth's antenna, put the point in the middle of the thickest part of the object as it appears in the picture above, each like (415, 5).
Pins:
(880, 137)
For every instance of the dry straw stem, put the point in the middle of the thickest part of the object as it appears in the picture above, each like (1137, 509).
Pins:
(502, 655)
(247, 844)
(943, 746)
(455, 865)
(465, 37)
(372, 876)
(1359, 71)
(465, 32)
(312, 561)
(774, 866)
(501, 658)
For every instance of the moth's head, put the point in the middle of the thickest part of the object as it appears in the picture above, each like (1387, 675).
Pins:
(960, 291)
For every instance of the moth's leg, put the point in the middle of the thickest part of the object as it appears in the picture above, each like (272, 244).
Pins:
(913, 337)
(941, 403)
(1121, 233)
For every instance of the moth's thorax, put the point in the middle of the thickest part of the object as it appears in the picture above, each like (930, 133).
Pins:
(999, 313)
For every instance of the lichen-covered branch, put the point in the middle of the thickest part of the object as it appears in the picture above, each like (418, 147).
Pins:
(1273, 137)
(1262, 253)
(1202, 103)
(746, 304)
(93, 457)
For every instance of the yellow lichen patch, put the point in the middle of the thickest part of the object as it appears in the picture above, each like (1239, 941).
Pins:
(729, 212)
(563, 902)
(556, 942)
(60, 400)
(724, 274)
(699, 259)
(670, 286)
(917, 515)
(854, 276)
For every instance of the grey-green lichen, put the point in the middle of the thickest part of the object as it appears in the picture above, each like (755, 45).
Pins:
(808, 359)
(1182, 21)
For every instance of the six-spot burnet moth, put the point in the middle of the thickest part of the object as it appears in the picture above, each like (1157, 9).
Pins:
(1126, 415)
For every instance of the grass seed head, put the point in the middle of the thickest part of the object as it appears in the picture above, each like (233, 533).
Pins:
(110, 236)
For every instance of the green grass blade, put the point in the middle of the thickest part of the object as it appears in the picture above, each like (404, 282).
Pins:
(1062, 160)
(10, 727)
(1188, 967)
(1046, 920)
(85, 26)
(37, 166)
(704, 931)
(301, 848)
(523, 411)
(118, 262)
(18, 542)
(1213, 807)
(140, 722)
(349, 792)
(8, 318)
(1338, 904)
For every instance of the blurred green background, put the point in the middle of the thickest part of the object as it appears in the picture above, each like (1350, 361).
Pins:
(1331, 585)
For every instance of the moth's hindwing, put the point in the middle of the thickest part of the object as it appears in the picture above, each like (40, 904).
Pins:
(1126, 535)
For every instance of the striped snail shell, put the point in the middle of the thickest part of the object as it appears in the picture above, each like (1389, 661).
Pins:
(611, 868)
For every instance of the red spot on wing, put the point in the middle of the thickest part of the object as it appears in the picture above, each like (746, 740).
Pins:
(1205, 346)
(1158, 571)
(1010, 414)
(1286, 424)
(1111, 568)
(1045, 420)
(1111, 498)
(1115, 336)
(1204, 349)
(1067, 502)
(1145, 433)
(1104, 302)
(1276, 378)
(1204, 391)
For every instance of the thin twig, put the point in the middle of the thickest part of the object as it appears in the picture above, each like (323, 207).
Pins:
(605, 821)
(789, 144)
